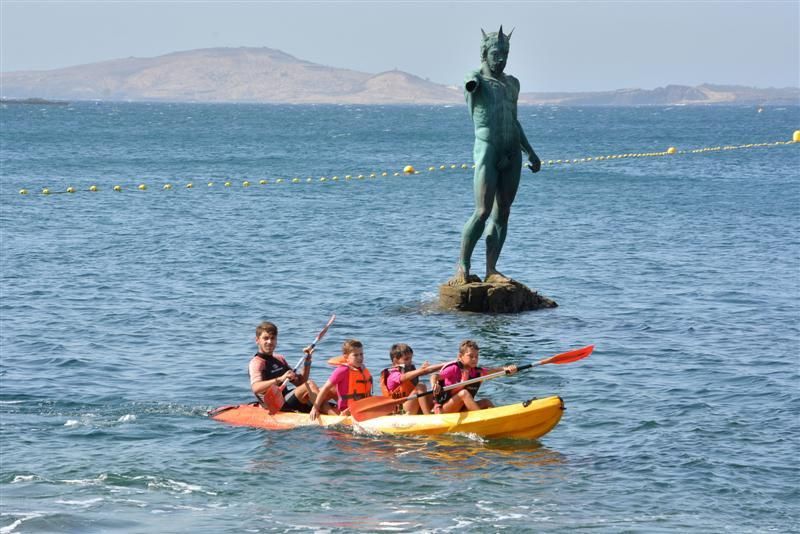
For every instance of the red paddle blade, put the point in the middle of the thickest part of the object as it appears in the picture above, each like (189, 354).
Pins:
(570, 356)
(373, 407)
(337, 360)
(273, 399)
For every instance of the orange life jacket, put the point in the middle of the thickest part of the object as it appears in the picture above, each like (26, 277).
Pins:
(359, 384)
(405, 388)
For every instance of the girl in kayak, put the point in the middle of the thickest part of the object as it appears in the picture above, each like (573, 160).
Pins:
(402, 380)
(464, 368)
(351, 380)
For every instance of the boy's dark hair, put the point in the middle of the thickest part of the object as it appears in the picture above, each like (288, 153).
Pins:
(268, 327)
(398, 350)
(467, 344)
(350, 344)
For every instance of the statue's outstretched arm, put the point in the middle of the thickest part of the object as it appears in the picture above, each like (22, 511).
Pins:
(471, 85)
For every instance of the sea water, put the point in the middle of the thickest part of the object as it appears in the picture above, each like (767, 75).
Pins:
(126, 315)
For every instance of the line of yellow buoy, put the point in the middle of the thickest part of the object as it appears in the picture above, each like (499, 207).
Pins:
(409, 169)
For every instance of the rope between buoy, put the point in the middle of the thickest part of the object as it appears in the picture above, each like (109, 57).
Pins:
(410, 170)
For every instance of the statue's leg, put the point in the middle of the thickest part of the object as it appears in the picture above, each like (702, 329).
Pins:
(484, 185)
(506, 191)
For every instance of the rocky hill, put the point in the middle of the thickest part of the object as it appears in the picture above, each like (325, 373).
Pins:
(271, 76)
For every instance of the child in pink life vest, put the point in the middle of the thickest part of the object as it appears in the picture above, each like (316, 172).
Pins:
(350, 381)
(464, 368)
(402, 379)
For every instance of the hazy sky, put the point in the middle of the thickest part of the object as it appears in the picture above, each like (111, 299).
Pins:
(570, 46)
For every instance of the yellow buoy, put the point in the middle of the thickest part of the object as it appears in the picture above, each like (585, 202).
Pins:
(263, 182)
(45, 191)
(142, 187)
(295, 180)
(117, 188)
(464, 166)
(70, 189)
(23, 191)
(189, 185)
(384, 173)
(227, 184)
(442, 167)
(245, 184)
(279, 181)
(210, 184)
(408, 169)
(672, 150)
(93, 188)
(167, 187)
(796, 136)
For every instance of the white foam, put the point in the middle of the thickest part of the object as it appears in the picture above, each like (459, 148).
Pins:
(25, 517)
(87, 502)
(174, 485)
(72, 422)
(24, 478)
(127, 418)
(87, 481)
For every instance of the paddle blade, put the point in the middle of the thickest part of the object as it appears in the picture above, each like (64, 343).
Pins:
(337, 360)
(569, 357)
(273, 399)
(373, 407)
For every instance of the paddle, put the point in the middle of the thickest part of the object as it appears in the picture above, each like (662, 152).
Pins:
(273, 397)
(377, 406)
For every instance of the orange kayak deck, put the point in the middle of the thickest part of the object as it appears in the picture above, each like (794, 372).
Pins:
(525, 420)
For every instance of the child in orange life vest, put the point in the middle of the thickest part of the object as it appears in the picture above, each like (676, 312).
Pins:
(402, 379)
(350, 381)
(464, 368)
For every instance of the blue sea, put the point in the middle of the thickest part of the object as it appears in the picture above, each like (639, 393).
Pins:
(126, 315)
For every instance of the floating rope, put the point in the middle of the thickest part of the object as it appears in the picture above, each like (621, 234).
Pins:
(410, 170)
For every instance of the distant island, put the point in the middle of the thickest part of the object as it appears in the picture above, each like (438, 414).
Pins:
(33, 100)
(265, 75)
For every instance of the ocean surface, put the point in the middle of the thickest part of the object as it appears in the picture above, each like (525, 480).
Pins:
(125, 316)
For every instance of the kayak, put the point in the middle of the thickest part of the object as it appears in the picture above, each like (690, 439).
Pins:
(526, 420)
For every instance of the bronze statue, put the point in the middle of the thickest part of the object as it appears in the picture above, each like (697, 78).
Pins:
(499, 141)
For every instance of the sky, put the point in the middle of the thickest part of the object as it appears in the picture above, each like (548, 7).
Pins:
(556, 46)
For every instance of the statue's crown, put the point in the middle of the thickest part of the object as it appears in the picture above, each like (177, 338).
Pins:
(498, 38)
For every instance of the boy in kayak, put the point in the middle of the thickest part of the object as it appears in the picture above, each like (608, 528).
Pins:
(271, 376)
(350, 381)
(402, 379)
(464, 368)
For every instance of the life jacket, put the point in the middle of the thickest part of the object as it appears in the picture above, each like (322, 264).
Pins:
(359, 384)
(466, 374)
(405, 388)
(274, 366)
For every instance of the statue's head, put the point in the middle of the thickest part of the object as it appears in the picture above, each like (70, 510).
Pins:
(494, 49)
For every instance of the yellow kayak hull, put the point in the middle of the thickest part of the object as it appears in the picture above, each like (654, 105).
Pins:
(525, 420)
